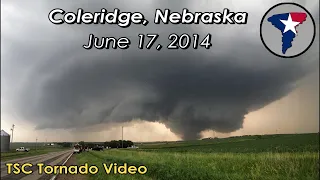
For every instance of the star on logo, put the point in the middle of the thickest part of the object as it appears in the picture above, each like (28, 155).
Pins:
(290, 25)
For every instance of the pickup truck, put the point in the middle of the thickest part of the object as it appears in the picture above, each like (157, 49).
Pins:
(22, 149)
(76, 150)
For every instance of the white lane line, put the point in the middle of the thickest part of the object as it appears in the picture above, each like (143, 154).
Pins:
(28, 159)
(55, 176)
(35, 175)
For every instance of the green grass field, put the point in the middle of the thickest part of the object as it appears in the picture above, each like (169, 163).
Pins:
(34, 150)
(269, 157)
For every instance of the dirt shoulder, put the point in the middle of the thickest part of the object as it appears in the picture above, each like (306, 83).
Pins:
(70, 162)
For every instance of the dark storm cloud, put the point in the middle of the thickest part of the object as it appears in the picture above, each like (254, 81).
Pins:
(50, 80)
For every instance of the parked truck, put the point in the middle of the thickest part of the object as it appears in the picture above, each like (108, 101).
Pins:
(22, 149)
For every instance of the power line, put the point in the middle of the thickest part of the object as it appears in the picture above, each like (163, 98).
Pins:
(122, 136)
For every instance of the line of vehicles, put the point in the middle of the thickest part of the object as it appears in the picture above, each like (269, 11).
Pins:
(78, 148)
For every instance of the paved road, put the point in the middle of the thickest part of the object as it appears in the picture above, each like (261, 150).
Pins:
(55, 158)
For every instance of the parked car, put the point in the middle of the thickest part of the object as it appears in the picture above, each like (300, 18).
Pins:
(97, 148)
(86, 149)
(22, 149)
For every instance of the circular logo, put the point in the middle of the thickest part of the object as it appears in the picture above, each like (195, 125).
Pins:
(287, 30)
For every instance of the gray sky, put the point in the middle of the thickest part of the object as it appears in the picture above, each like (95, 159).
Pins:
(51, 85)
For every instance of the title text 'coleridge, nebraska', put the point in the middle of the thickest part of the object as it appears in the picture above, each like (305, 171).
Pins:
(187, 17)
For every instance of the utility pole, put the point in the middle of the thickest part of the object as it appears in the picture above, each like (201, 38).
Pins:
(122, 137)
(12, 133)
(36, 143)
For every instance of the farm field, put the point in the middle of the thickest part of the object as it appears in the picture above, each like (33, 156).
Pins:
(293, 156)
(30, 145)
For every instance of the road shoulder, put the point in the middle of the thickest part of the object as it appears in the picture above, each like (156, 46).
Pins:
(70, 162)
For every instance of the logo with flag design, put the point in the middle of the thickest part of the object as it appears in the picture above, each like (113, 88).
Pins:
(287, 30)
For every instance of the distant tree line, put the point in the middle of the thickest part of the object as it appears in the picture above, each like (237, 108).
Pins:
(65, 144)
(111, 144)
(118, 144)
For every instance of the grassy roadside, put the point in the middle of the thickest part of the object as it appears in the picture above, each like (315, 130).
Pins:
(261, 157)
(207, 166)
(93, 158)
(5, 156)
